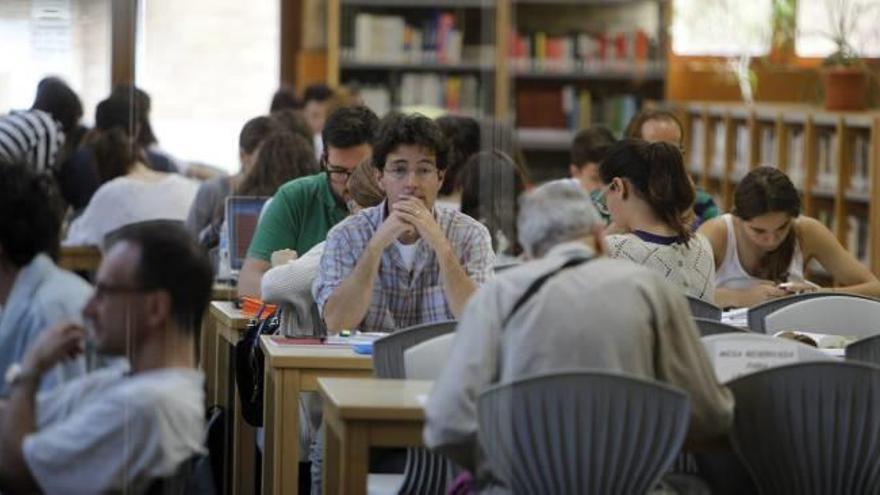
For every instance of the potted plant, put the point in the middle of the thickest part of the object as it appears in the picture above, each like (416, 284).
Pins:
(844, 75)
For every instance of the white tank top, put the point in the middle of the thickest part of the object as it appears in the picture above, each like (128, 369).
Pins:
(732, 275)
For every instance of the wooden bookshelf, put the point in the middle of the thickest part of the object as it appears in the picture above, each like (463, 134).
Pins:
(832, 158)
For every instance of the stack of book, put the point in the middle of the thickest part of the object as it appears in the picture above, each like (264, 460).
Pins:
(391, 39)
(455, 93)
(826, 162)
(572, 108)
(860, 165)
(580, 51)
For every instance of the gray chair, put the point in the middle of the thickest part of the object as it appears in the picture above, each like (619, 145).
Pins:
(832, 314)
(865, 350)
(703, 309)
(577, 432)
(425, 472)
(810, 428)
(758, 313)
(708, 326)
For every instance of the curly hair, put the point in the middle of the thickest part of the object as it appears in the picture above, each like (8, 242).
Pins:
(414, 129)
(32, 212)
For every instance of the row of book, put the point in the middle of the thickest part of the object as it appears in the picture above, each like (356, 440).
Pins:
(572, 108)
(392, 39)
(827, 152)
(457, 94)
(856, 240)
(580, 50)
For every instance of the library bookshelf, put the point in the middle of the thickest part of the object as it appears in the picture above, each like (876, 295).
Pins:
(832, 158)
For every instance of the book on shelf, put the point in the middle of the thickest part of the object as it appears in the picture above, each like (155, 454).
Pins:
(394, 39)
(768, 147)
(718, 150)
(572, 108)
(581, 51)
(857, 238)
(741, 152)
(455, 93)
(796, 168)
(860, 164)
(695, 154)
(826, 162)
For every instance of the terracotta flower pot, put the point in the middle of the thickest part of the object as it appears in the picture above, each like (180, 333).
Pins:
(846, 88)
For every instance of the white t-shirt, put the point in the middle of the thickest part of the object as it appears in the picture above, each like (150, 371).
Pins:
(407, 253)
(109, 432)
(124, 201)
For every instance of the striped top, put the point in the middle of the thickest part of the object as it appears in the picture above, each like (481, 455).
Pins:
(32, 137)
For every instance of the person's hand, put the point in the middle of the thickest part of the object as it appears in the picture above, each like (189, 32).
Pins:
(797, 287)
(65, 340)
(283, 256)
(393, 227)
(414, 212)
(760, 293)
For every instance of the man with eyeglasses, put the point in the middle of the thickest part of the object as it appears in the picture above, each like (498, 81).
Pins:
(406, 261)
(122, 428)
(305, 209)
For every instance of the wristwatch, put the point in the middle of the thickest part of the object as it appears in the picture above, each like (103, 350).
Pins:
(16, 375)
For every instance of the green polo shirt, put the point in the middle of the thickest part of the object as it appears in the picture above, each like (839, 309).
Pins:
(299, 216)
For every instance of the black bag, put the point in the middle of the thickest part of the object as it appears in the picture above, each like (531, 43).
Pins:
(249, 363)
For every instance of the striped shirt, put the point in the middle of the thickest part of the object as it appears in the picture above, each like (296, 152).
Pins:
(403, 297)
(32, 137)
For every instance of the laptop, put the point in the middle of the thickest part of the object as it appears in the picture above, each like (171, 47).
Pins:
(242, 216)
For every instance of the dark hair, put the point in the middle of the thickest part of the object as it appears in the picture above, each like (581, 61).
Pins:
(115, 150)
(282, 157)
(171, 260)
(294, 122)
(463, 135)
(656, 171)
(253, 132)
(363, 185)
(347, 127)
(767, 190)
(32, 212)
(285, 98)
(317, 92)
(140, 101)
(56, 98)
(491, 183)
(413, 129)
(591, 145)
(634, 128)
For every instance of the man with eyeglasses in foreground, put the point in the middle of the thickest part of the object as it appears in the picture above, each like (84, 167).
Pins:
(305, 209)
(406, 261)
(116, 430)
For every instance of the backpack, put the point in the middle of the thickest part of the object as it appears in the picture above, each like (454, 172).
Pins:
(249, 365)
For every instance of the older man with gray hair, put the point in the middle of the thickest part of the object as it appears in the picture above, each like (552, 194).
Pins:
(569, 308)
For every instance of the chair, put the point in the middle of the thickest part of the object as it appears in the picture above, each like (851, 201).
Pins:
(708, 327)
(388, 351)
(757, 313)
(425, 472)
(703, 309)
(810, 428)
(839, 315)
(576, 432)
(736, 354)
(425, 361)
(866, 350)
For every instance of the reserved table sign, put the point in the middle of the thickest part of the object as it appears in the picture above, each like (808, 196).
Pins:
(734, 359)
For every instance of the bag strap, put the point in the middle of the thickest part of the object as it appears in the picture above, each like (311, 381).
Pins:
(538, 283)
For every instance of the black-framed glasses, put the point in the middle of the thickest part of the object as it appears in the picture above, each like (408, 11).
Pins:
(337, 173)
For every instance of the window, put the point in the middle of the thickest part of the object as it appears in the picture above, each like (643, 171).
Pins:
(721, 27)
(65, 38)
(208, 66)
(816, 20)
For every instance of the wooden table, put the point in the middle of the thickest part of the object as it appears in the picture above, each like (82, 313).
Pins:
(220, 332)
(223, 291)
(80, 258)
(291, 369)
(363, 413)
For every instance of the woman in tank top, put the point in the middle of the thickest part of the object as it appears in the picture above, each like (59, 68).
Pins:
(761, 249)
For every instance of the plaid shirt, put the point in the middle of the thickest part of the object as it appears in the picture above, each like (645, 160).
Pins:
(402, 298)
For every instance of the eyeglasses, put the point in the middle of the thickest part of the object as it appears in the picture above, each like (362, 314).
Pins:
(401, 172)
(337, 173)
(600, 201)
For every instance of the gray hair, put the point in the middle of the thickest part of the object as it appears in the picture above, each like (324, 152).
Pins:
(553, 213)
